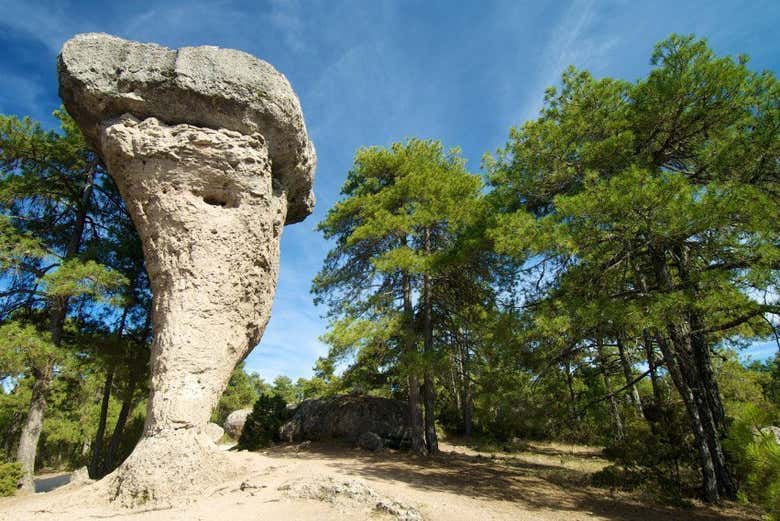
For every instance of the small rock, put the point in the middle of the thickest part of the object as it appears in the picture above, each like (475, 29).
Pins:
(370, 441)
(214, 432)
(80, 476)
(234, 424)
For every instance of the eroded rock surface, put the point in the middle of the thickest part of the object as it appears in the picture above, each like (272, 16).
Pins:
(209, 151)
(350, 494)
(103, 77)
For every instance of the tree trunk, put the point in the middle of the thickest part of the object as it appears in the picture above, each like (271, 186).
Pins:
(96, 463)
(116, 436)
(466, 401)
(688, 394)
(431, 442)
(31, 431)
(572, 395)
(647, 341)
(97, 446)
(685, 359)
(714, 414)
(626, 365)
(613, 406)
(415, 415)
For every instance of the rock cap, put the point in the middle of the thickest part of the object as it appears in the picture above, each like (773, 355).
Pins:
(103, 76)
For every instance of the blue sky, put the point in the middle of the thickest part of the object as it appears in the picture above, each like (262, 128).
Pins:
(372, 72)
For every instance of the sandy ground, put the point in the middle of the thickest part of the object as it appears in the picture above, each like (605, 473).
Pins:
(547, 482)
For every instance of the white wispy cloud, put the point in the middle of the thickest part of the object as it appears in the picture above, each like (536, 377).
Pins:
(572, 40)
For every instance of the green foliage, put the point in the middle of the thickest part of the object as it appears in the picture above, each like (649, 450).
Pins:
(75, 302)
(284, 388)
(10, 474)
(405, 234)
(75, 278)
(23, 345)
(240, 393)
(263, 423)
(642, 217)
(757, 458)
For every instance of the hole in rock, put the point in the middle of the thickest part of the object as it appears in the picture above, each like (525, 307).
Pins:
(214, 201)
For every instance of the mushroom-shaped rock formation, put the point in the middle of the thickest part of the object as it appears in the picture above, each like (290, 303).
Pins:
(210, 152)
(102, 77)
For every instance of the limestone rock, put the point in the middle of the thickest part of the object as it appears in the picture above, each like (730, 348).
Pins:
(350, 494)
(80, 476)
(347, 418)
(234, 424)
(103, 77)
(214, 432)
(208, 149)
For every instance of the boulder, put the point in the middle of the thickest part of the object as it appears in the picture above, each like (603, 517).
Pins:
(103, 77)
(234, 424)
(348, 418)
(214, 432)
(370, 441)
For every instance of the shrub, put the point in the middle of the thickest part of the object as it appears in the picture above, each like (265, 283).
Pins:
(10, 474)
(263, 423)
(757, 460)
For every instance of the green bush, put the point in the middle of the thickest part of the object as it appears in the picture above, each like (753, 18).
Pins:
(10, 474)
(263, 423)
(756, 458)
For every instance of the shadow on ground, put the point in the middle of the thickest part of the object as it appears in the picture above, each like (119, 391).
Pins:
(535, 486)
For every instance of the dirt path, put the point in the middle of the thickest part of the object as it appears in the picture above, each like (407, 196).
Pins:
(548, 482)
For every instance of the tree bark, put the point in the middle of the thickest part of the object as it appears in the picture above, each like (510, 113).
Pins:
(429, 391)
(31, 432)
(466, 400)
(95, 463)
(418, 445)
(626, 365)
(688, 368)
(613, 406)
(572, 396)
(714, 414)
(116, 436)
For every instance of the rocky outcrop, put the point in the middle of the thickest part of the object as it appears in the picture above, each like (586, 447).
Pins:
(208, 149)
(234, 424)
(348, 418)
(103, 77)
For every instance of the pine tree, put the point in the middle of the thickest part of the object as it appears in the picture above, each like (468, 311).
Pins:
(395, 230)
(653, 209)
(50, 186)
